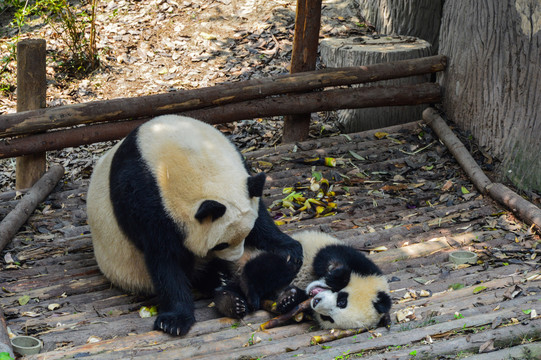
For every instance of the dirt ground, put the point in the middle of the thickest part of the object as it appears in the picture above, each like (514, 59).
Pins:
(150, 47)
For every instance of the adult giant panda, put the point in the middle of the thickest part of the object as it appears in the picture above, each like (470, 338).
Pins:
(169, 206)
(347, 289)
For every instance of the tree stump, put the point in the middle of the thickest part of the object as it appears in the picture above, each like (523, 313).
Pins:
(367, 50)
(419, 18)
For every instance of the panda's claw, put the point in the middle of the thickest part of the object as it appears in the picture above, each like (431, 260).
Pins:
(290, 297)
(174, 322)
(231, 304)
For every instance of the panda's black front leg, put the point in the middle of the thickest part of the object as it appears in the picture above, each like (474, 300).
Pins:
(289, 298)
(265, 235)
(171, 285)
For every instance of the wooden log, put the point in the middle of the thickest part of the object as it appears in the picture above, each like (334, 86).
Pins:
(5, 343)
(31, 94)
(146, 106)
(354, 51)
(459, 151)
(273, 106)
(411, 336)
(57, 140)
(502, 337)
(18, 216)
(523, 208)
(303, 58)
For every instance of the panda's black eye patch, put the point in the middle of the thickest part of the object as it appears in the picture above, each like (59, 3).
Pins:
(220, 246)
(342, 299)
(210, 208)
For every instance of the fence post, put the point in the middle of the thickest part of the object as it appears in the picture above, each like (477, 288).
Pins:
(303, 58)
(31, 95)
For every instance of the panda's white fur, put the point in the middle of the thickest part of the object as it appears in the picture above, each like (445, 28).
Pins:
(118, 259)
(203, 165)
(362, 289)
(312, 241)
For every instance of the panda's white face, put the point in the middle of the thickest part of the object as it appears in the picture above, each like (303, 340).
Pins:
(357, 305)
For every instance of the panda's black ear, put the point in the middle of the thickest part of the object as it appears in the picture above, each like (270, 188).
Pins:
(383, 302)
(211, 208)
(256, 184)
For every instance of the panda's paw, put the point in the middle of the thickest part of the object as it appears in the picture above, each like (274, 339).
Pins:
(289, 298)
(174, 323)
(292, 252)
(230, 303)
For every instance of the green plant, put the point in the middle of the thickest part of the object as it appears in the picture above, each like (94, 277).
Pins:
(77, 29)
(459, 316)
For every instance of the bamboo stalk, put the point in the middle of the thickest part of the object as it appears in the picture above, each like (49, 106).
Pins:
(35, 121)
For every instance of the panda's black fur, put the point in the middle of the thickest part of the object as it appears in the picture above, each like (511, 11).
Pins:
(348, 290)
(142, 238)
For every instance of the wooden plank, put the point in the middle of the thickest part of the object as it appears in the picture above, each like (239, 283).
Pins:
(303, 58)
(31, 94)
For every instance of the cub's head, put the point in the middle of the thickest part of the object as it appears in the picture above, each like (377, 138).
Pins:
(350, 296)
(221, 226)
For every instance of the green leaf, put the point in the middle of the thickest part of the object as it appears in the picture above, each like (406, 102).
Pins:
(527, 312)
(356, 156)
(456, 286)
(413, 353)
(23, 300)
(478, 289)
(464, 190)
(5, 356)
(317, 175)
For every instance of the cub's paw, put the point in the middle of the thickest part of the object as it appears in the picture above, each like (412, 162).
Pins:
(290, 297)
(230, 303)
(174, 323)
(293, 254)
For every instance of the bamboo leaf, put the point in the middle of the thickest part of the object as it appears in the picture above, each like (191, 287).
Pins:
(478, 289)
(356, 156)
(23, 300)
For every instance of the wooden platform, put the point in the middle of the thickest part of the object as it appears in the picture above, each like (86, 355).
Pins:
(403, 195)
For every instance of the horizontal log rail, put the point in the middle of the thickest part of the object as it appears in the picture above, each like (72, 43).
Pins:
(36, 121)
(280, 105)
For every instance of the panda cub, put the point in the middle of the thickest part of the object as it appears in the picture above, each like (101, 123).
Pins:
(169, 207)
(347, 289)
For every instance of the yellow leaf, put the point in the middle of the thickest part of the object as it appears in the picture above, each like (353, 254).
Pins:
(380, 134)
(206, 36)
